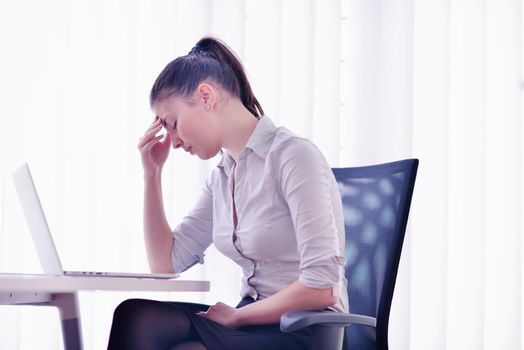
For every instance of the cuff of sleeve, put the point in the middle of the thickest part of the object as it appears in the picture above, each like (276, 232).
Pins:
(182, 262)
(320, 277)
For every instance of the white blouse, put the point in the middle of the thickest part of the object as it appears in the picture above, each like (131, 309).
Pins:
(290, 224)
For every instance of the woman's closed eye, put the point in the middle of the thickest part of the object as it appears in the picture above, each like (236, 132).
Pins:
(164, 124)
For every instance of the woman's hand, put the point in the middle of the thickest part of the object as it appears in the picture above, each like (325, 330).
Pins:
(223, 314)
(153, 149)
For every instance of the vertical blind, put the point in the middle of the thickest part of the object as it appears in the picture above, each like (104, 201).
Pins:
(368, 81)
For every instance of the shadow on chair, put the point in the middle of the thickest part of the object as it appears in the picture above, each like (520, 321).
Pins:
(376, 201)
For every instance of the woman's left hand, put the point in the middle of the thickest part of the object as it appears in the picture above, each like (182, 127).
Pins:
(223, 314)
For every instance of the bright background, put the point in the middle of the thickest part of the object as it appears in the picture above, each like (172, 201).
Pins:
(367, 80)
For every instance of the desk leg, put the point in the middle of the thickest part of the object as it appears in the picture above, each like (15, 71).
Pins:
(67, 304)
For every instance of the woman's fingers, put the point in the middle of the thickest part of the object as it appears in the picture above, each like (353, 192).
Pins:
(167, 139)
(154, 127)
(154, 124)
(150, 134)
(151, 143)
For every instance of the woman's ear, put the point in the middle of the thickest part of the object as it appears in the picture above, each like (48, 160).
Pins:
(208, 95)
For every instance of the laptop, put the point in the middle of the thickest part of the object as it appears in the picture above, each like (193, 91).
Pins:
(43, 240)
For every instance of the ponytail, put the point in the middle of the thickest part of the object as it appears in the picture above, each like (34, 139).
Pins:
(212, 59)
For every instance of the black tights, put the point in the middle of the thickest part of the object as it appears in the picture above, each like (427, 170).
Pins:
(153, 325)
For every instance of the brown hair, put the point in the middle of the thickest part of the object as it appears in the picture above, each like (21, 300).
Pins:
(211, 59)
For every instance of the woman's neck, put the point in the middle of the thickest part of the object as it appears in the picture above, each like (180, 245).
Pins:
(238, 126)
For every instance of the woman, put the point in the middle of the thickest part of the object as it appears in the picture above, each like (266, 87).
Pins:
(271, 204)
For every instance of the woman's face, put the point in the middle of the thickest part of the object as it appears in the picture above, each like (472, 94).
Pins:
(191, 124)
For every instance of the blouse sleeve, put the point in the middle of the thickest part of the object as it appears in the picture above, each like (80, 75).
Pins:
(194, 234)
(307, 184)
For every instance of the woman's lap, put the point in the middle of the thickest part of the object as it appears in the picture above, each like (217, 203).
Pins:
(213, 335)
(218, 337)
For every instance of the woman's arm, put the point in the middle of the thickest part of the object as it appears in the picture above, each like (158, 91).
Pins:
(267, 311)
(193, 234)
(178, 249)
(157, 233)
(295, 297)
(154, 151)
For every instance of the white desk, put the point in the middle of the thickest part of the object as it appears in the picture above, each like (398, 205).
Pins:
(61, 291)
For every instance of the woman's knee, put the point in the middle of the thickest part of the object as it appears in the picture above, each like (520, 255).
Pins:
(128, 307)
(132, 312)
(144, 314)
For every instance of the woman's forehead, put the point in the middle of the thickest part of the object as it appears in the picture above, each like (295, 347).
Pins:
(166, 106)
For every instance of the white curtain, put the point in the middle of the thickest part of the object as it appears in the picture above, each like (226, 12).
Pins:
(367, 80)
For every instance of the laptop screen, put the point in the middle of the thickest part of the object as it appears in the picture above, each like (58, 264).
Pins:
(36, 221)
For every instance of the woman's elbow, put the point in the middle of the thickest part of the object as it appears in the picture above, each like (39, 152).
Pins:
(323, 298)
(161, 265)
(328, 301)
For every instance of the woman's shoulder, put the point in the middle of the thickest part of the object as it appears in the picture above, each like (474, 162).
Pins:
(287, 145)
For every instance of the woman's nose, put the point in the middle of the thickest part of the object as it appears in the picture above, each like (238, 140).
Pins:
(176, 141)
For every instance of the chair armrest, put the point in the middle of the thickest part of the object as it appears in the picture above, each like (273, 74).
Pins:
(295, 320)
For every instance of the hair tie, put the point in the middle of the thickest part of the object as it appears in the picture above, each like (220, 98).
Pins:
(196, 49)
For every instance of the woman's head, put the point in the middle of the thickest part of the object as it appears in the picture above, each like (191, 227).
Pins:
(211, 61)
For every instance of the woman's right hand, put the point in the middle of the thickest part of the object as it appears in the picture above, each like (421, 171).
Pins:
(153, 149)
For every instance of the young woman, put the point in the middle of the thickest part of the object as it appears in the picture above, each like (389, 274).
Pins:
(271, 204)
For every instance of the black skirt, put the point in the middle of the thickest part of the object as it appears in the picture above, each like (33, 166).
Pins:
(263, 337)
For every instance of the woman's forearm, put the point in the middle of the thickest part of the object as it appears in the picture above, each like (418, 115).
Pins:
(295, 297)
(157, 234)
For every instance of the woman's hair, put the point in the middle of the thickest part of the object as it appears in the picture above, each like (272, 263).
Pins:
(210, 59)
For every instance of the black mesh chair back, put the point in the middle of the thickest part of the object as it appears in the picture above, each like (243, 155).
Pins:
(376, 201)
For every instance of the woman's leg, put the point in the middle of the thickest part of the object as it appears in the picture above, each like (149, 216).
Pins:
(190, 345)
(149, 324)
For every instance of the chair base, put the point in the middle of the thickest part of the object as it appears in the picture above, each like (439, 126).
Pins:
(327, 337)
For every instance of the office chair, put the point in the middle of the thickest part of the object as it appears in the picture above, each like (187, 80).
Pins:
(376, 201)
